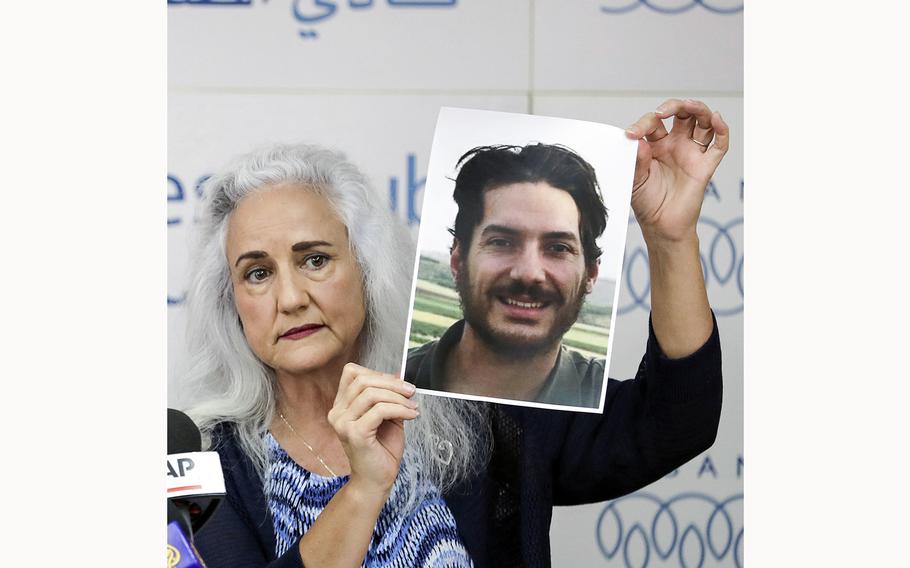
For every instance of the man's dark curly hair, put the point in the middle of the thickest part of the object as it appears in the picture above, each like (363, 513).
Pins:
(489, 167)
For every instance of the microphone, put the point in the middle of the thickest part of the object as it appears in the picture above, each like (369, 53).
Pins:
(182, 434)
(195, 485)
(180, 550)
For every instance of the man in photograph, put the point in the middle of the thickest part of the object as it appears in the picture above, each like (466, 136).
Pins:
(524, 257)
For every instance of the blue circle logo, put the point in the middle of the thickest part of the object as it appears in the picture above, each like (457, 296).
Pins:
(672, 6)
(721, 262)
(685, 530)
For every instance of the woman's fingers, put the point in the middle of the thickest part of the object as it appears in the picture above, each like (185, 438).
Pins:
(642, 165)
(669, 108)
(695, 120)
(650, 127)
(702, 132)
(357, 433)
(683, 120)
(371, 396)
(354, 379)
(365, 427)
(700, 111)
(691, 118)
(361, 391)
(721, 139)
(702, 137)
(348, 374)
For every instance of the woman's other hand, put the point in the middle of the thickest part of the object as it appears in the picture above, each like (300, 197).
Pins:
(368, 416)
(673, 168)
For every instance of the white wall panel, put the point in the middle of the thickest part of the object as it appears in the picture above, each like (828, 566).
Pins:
(384, 45)
(594, 45)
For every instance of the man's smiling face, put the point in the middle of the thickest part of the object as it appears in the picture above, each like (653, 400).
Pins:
(523, 280)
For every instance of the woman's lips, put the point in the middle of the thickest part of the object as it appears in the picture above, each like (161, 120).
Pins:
(301, 332)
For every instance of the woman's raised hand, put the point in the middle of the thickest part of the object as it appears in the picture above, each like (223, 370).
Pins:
(673, 168)
(368, 416)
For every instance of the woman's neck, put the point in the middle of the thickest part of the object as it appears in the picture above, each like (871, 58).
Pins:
(308, 396)
(301, 423)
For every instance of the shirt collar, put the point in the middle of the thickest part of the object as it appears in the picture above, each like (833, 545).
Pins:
(562, 386)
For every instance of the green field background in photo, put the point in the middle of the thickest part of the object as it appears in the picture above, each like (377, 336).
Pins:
(436, 307)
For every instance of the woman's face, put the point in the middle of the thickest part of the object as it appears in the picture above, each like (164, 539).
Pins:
(297, 286)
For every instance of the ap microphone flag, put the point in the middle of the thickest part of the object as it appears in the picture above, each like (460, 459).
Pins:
(194, 474)
(195, 485)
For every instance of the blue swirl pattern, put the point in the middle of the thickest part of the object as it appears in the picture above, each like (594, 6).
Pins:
(722, 266)
(686, 530)
(673, 6)
(425, 538)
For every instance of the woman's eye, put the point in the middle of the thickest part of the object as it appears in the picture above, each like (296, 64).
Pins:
(316, 261)
(257, 275)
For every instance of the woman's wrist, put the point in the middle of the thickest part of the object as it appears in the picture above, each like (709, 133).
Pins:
(658, 242)
(341, 534)
(369, 490)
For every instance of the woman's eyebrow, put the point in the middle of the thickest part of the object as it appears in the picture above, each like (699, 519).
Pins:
(305, 245)
(251, 254)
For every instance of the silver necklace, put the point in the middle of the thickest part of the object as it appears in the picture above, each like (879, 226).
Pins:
(309, 447)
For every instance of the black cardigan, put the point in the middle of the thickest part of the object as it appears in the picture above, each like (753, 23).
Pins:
(651, 425)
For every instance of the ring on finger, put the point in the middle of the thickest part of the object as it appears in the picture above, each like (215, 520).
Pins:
(702, 144)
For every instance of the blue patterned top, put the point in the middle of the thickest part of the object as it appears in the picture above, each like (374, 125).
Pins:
(425, 538)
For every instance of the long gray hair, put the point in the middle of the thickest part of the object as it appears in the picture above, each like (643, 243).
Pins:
(223, 381)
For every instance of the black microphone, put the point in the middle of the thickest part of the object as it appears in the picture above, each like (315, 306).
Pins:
(182, 434)
(195, 485)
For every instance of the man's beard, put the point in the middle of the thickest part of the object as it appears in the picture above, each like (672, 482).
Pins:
(507, 345)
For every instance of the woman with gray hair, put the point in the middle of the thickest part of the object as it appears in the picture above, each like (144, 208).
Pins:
(297, 314)
(299, 271)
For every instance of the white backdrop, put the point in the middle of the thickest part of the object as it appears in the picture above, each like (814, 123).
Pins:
(369, 77)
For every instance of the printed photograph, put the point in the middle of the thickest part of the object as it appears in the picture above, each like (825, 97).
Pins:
(520, 248)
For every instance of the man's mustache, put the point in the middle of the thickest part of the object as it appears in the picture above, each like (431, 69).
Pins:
(533, 292)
